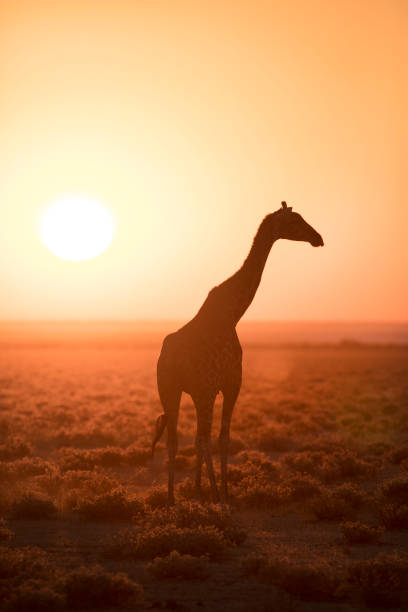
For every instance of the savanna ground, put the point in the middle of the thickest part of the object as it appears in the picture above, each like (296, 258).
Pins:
(318, 476)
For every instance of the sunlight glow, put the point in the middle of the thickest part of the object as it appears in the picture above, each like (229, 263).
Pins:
(76, 228)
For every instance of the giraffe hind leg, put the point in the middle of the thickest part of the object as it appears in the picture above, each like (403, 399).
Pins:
(170, 399)
(204, 422)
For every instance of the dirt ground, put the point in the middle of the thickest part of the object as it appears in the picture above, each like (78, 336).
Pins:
(318, 518)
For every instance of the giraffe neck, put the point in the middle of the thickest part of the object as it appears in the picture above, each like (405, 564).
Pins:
(227, 303)
(246, 281)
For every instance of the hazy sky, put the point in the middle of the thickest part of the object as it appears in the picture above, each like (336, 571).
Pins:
(190, 121)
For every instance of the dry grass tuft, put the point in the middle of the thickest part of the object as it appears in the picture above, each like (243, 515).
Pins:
(383, 580)
(355, 532)
(394, 516)
(316, 581)
(33, 506)
(157, 497)
(159, 541)
(395, 490)
(338, 504)
(182, 567)
(111, 506)
(34, 596)
(192, 514)
(95, 588)
(5, 533)
(15, 448)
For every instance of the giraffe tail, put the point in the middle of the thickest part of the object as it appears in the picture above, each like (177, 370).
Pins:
(161, 423)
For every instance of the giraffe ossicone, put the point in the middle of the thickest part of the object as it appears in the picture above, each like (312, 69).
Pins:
(204, 357)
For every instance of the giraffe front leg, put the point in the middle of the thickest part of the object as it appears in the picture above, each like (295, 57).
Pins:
(230, 397)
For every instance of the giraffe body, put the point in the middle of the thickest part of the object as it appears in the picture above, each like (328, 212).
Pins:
(204, 357)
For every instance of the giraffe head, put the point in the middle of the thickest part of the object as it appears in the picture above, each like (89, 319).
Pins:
(291, 226)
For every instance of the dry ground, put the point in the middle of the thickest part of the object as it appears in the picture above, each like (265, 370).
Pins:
(318, 470)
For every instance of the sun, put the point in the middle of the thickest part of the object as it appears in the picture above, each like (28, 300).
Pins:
(76, 228)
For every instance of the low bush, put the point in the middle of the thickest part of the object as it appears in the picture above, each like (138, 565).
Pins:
(399, 454)
(383, 580)
(95, 588)
(159, 541)
(355, 532)
(33, 506)
(34, 596)
(194, 514)
(395, 490)
(107, 457)
(253, 493)
(188, 490)
(302, 487)
(157, 497)
(15, 449)
(177, 566)
(394, 516)
(338, 504)
(5, 533)
(26, 467)
(329, 466)
(312, 582)
(111, 506)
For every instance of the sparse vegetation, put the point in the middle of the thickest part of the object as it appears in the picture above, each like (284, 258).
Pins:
(317, 479)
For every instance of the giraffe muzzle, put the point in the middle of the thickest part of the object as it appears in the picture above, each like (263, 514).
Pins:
(317, 241)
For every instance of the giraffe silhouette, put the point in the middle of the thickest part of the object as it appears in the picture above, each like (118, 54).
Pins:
(204, 357)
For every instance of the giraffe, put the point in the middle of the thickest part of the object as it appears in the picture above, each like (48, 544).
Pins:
(204, 357)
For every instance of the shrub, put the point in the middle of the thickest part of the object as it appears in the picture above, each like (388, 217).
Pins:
(305, 462)
(157, 497)
(356, 532)
(111, 506)
(343, 464)
(329, 467)
(110, 456)
(338, 504)
(34, 596)
(160, 541)
(302, 487)
(393, 516)
(396, 490)
(15, 449)
(399, 454)
(184, 567)
(31, 506)
(312, 582)
(193, 514)
(257, 462)
(383, 580)
(5, 533)
(25, 467)
(95, 588)
(253, 492)
(188, 490)
(19, 566)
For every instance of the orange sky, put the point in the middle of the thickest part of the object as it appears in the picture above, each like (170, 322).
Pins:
(191, 121)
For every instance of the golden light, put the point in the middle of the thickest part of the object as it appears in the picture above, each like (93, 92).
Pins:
(76, 228)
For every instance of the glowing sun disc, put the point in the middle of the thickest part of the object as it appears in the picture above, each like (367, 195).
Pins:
(76, 228)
